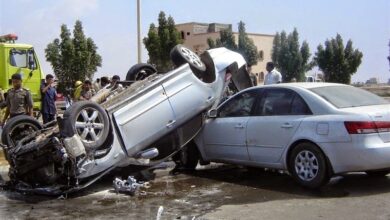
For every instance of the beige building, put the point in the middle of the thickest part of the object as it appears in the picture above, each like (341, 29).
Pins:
(195, 37)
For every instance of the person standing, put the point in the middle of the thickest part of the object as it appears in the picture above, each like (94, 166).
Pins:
(273, 76)
(49, 95)
(104, 81)
(87, 92)
(115, 83)
(18, 101)
(78, 86)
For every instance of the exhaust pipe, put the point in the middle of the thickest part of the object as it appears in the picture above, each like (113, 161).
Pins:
(147, 154)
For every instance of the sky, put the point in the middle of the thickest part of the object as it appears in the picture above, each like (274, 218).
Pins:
(112, 25)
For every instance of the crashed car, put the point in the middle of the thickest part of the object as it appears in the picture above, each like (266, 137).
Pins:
(142, 124)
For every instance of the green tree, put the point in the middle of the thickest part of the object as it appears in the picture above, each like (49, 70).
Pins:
(74, 58)
(290, 57)
(226, 39)
(338, 63)
(160, 42)
(246, 46)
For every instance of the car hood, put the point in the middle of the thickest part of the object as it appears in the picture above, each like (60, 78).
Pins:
(224, 58)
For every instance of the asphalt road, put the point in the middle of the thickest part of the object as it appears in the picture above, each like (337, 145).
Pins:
(212, 192)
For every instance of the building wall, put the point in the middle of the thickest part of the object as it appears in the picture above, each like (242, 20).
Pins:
(195, 37)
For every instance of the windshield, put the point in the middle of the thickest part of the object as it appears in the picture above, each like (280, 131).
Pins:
(348, 96)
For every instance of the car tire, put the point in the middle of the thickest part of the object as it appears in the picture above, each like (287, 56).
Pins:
(380, 173)
(308, 165)
(89, 121)
(140, 71)
(17, 128)
(181, 55)
(188, 157)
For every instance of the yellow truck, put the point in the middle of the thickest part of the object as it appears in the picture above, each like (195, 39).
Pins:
(22, 59)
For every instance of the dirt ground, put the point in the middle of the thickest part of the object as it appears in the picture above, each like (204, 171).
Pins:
(212, 192)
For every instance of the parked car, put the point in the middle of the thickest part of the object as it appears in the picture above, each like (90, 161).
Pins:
(142, 125)
(312, 130)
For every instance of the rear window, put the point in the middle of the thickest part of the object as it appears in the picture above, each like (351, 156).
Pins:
(348, 96)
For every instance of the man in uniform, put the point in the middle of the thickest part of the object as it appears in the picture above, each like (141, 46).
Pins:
(19, 100)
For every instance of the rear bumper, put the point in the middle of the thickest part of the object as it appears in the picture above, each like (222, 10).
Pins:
(363, 153)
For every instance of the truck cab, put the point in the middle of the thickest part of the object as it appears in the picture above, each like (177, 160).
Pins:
(22, 59)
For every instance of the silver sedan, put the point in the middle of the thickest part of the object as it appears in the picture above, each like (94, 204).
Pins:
(312, 130)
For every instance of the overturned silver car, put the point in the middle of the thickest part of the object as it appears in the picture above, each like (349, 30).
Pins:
(143, 124)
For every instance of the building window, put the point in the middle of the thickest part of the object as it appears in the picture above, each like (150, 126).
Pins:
(261, 55)
(182, 35)
(188, 33)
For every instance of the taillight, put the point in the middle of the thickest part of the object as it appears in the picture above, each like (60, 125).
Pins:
(367, 127)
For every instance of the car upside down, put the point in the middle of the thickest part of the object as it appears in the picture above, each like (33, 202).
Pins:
(142, 124)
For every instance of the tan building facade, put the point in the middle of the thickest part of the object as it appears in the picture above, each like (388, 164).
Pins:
(195, 37)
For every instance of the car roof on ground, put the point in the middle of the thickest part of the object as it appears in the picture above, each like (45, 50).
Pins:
(304, 85)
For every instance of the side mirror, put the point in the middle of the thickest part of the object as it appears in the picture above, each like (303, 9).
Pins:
(212, 113)
(31, 63)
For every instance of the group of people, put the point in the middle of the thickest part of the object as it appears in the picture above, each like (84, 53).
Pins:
(85, 90)
(19, 100)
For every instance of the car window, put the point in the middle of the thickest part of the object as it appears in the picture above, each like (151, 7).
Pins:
(18, 58)
(299, 106)
(276, 102)
(348, 96)
(239, 106)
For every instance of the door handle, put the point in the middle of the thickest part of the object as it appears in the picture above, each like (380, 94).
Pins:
(209, 99)
(170, 123)
(240, 126)
(287, 125)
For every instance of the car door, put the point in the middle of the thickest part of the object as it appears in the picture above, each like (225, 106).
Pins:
(224, 137)
(146, 119)
(277, 118)
(187, 95)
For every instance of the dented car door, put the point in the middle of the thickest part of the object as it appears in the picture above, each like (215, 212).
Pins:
(140, 124)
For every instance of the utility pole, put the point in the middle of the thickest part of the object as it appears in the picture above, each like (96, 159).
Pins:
(139, 30)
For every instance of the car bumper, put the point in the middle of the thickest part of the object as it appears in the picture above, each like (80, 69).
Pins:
(363, 153)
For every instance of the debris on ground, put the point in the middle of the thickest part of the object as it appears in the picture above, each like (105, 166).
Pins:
(129, 186)
(159, 212)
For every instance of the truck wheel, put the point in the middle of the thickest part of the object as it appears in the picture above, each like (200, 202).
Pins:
(89, 121)
(17, 128)
(140, 71)
(181, 55)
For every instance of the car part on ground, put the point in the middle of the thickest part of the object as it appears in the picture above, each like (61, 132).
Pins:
(128, 186)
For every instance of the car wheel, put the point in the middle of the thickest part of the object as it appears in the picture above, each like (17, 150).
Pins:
(181, 55)
(308, 166)
(17, 128)
(187, 157)
(140, 71)
(381, 173)
(89, 121)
